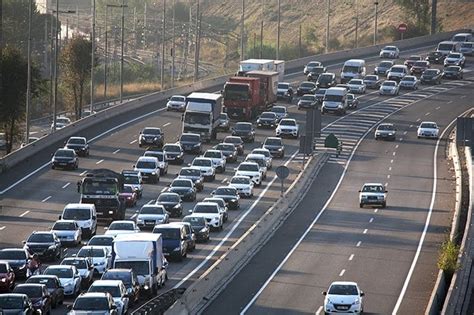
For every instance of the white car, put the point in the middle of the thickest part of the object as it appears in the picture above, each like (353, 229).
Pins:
(122, 227)
(287, 127)
(218, 159)
(176, 102)
(84, 266)
(250, 169)
(389, 87)
(149, 168)
(428, 129)
(260, 160)
(151, 215)
(311, 64)
(390, 52)
(162, 162)
(373, 194)
(267, 154)
(68, 232)
(61, 122)
(397, 72)
(210, 211)
(117, 289)
(222, 206)
(98, 255)
(134, 180)
(343, 297)
(243, 184)
(68, 276)
(455, 59)
(357, 86)
(102, 241)
(206, 166)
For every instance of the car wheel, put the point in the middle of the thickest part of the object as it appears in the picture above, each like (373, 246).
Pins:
(52, 167)
(361, 205)
(384, 205)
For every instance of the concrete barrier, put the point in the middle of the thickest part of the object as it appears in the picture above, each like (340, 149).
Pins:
(29, 151)
(230, 263)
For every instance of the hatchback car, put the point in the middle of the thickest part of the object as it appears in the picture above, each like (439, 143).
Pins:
(85, 268)
(68, 276)
(229, 151)
(65, 159)
(229, 194)
(428, 129)
(237, 142)
(252, 170)
(149, 168)
(210, 211)
(343, 297)
(174, 153)
(116, 289)
(129, 280)
(385, 131)
(171, 202)
(98, 255)
(79, 145)
(129, 195)
(268, 120)
(206, 166)
(150, 215)
(357, 86)
(68, 232)
(38, 294)
(200, 227)
(46, 244)
(151, 136)
(160, 155)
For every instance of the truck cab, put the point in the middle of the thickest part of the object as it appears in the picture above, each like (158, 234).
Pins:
(335, 101)
(202, 115)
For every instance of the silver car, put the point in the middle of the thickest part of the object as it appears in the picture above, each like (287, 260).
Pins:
(69, 277)
(85, 268)
(150, 215)
(467, 48)
(409, 82)
(68, 232)
(389, 87)
(176, 102)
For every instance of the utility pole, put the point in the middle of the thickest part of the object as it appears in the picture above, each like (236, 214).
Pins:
(28, 79)
(173, 48)
(242, 20)
(51, 63)
(278, 32)
(434, 7)
(375, 24)
(67, 31)
(56, 48)
(357, 31)
(261, 29)
(327, 26)
(106, 54)
(144, 25)
(121, 51)
(196, 45)
(92, 57)
(299, 44)
(163, 35)
(254, 52)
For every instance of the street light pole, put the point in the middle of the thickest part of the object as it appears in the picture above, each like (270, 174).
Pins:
(92, 57)
(375, 24)
(173, 52)
(327, 25)
(106, 57)
(28, 79)
(163, 30)
(121, 51)
(56, 48)
(278, 33)
(242, 20)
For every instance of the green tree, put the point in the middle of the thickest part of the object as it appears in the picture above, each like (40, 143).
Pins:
(420, 10)
(13, 92)
(75, 64)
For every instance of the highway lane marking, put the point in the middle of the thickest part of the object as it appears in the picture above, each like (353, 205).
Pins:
(411, 126)
(376, 210)
(65, 185)
(167, 124)
(449, 102)
(164, 188)
(438, 107)
(2, 228)
(396, 147)
(100, 161)
(394, 153)
(428, 218)
(351, 257)
(463, 96)
(224, 180)
(83, 173)
(358, 243)
(371, 99)
(132, 142)
(116, 151)
(405, 132)
(371, 220)
(24, 213)
(427, 114)
(365, 231)
(134, 216)
(46, 199)
(318, 312)
(391, 161)
(386, 184)
(401, 139)
(390, 169)
(388, 176)
(343, 271)
(292, 106)
(418, 119)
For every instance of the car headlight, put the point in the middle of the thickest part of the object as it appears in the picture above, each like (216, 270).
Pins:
(280, 149)
(177, 249)
(3, 280)
(339, 106)
(176, 207)
(153, 173)
(52, 247)
(139, 221)
(233, 200)
(356, 302)
(203, 230)
(390, 133)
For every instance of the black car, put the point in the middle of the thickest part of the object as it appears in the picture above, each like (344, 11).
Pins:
(326, 80)
(315, 72)
(229, 151)
(383, 67)
(174, 153)
(38, 294)
(16, 303)
(230, 196)
(453, 72)
(306, 87)
(237, 142)
(308, 101)
(431, 76)
(56, 291)
(320, 92)
(151, 136)
(193, 174)
(46, 244)
(172, 203)
(191, 142)
(184, 188)
(200, 227)
(245, 131)
(275, 146)
(129, 279)
(79, 145)
(419, 67)
(18, 258)
(66, 159)
(267, 120)
(435, 57)
(372, 81)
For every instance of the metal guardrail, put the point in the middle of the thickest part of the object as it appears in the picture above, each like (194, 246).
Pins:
(159, 304)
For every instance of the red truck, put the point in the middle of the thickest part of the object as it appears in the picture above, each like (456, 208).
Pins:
(246, 97)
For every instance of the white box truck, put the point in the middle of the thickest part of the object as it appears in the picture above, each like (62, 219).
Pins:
(262, 65)
(202, 114)
(279, 66)
(143, 253)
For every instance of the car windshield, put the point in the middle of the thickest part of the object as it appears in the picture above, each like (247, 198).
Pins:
(350, 96)
(76, 214)
(48, 282)
(428, 125)
(146, 165)
(190, 138)
(317, 70)
(64, 153)
(138, 267)
(452, 68)
(168, 233)
(76, 141)
(448, 47)
(313, 64)
(321, 92)
(412, 58)
(287, 122)
(113, 290)
(177, 98)
(341, 289)
(124, 276)
(127, 190)
(235, 140)
(385, 127)
(420, 64)
(213, 154)
(409, 78)
(168, 198)
(101, 241)
(91, 252)
(373, 188)
(351, 69)
(33, 291)
(219, 201)
(240, 180)
(325, 78)
(64, 226)
(279, 110)
(248, 167)
(356, 82)
(59, 272)
(158, 155)
(79, 263)
(181, 183)
(91, 304)
(268, 115)
(389, 83)
(431, 72)
(243, 126)
(151, 131)
(63, 121)
(397, 69)
(223, 116)
(467, 45)
(225, 147)
(306, 97)
(307, 85)
(371, 78)
(385, 64)
(12, 254)
(195, 221)
(191, 171)
(393, 48)
(200, 208)
(224, 191)
(172, 148)
(127, 179)
(152, 210)
(121, 226)
(283, 86)
(263, 152)
(202, 162)
(455, 56)
(275, 141)
(41, 238)
(9, 302)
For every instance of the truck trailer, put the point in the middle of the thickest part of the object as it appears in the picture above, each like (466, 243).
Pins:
(268, 86)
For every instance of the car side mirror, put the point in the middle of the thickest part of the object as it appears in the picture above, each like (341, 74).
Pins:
(362, 294)
(213, 192)
(94, 217)
(386, 191)
(69, 307)
(324, 293)
(360, 190)
(24, 242)
(133, 165)
(190, 211)
(59, 217)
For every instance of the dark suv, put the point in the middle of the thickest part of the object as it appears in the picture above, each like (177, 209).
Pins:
(38, 294)
(151, 136)
(56, 291)
(275, 146)
(175, 244)
(191, 142)
(193, 174)
(245, 131)
(18, 259)
(46, 244)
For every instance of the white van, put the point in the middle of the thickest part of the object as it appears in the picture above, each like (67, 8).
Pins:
(353, 69)
(446, 47)
(84, 214)
(462, 37)
(335, 101)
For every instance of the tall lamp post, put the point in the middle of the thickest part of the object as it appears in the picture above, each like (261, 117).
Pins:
(375, 24)
(28, 79)
(93, 57)
(327, 25)
(278, 32)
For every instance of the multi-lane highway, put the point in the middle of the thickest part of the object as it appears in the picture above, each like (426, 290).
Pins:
(390, 252)
(35, 203)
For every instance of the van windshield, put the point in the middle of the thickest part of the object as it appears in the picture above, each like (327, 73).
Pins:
(332, 98)
(76, 214)
(350, 69)
(448, 47)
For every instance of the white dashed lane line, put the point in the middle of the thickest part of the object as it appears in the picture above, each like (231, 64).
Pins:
(427, 114)
(132, 142)
(358, 243)
(116, 151)
(65, 185)
(449, 102)
(100, 161)
(351, 257)
(343, 271)
(24, 213)
(376, 210)
(167, 124)
(365, 231)
(371, 220)
(46, 199)
(83, 173)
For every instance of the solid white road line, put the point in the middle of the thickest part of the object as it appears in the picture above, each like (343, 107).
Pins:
(65, 185)
(46, 199)
(428, 219)
(24, 213)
